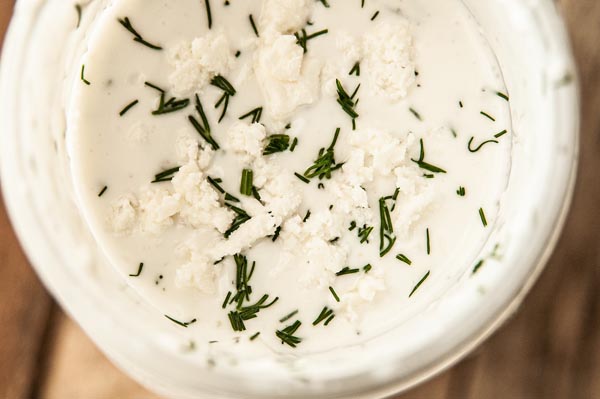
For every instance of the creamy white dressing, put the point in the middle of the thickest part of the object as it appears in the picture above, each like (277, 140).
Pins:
(124, 154)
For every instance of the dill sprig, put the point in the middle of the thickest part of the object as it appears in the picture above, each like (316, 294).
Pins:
(287, 334)
(171, 105)
(277, 143)
(256, 114)
(166, 175)
(325, 314)
(502, 95)
(253, 337)
(126, 23)
(101, 193)
(502, 133)
(325, 163)
(217, 186)
(78, 10)
(302, 37)
(387, 238)
(364, 233)
(83, 79)
(334, 294)
(288, 316)
(246, 183)
(488, 116)
(480, 145)
(251, 18)
(228, 91)
(415, 114)
(346, 101)
(428, 241)
(404, 258)
(139, 271)
(241, 217)
(482, 217)
(347, 270)
(302, 178)
(294, 144)
(238, 317)
(419, 284)
(203, 128)
(181, 323)
(208, 13)
(478, 266)
(424, 165)
(355, 69)
(128, 107)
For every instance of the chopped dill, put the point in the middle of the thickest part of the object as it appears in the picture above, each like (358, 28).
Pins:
(404, 258)
(277, 143)
(488, 116)
(182, 324)
(78, 10)
(83, 79)
(228, 91)
(367, 268)
(256, 114)
(461, 192)
(347, 102)
(208, 13)
(302, 38)
(347, 270)
(428, 241)
(424, 165)
(203, 128)
(502, 133)
(128, 107)
(416, 114)
(246, 182)
(482, 217)
(294, 144)
(251, 18)
(419, 283)
(478, 266)
(335, 295)
(355, 69)
(287, 334)
(126, 23)
(101, 193)
(139, 271)
(299, 176)
(502, 95)
(252, 338)
(166, 175)
(288, 316)
(324, 315)
(325, 163)
(171, 105)
(480, 145)
(241, 217)
(375, 16)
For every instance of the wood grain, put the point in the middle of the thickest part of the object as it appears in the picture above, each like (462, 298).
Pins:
(550, 349)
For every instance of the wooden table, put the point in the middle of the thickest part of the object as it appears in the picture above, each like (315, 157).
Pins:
(551, 349)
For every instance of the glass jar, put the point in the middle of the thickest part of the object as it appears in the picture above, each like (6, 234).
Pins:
(532, 47)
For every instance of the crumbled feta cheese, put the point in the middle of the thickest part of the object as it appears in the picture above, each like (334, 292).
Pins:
(416, 196)
(363, 291)
(287, 78)
(201, 205)
(279, 189)
(195, 63)
(123, 214)
(388, 50)
(284, 16)
(308, 244)
(188, 149)
(198, 272)
(349, 46)
(157, 206)
(246, 140)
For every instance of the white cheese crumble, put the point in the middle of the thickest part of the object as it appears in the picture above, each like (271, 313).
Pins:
(195, 63)
(245, 140)
(363, 291)
(389, 60)
(284, 16)
(287, 77)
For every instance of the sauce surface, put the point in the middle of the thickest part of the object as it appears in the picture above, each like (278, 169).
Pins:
(447, 99)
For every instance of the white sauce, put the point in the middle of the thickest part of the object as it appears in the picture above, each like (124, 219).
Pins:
(176, 228)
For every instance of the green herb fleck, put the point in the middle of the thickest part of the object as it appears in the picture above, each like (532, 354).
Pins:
(355, 69)
(166, 175)
(251, 18)
(255, 114)
(404, 258)
(480, 145)
(101, 193)
(128, 107)
(482, 217)
(326, 313)
(367, 268)
(277, 143)
(325, 163)
(424, 165)
(182, 324)
(126, 23)
(419, 283)
(335, 295)
(488, 116)
(347, 270)
(139, 271)
(208, 13)
(83, 79)
(502, 95)
(246, 183)
(287, 334)
(428, 241)
(478, 266)
(302, 38)
(288, 316)
(461, 192)
(203, 128)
